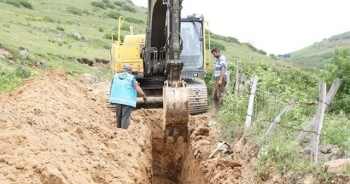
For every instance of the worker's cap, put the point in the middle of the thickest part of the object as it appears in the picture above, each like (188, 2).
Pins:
(127, 68)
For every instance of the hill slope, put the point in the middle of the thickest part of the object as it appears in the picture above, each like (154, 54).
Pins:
(319, 53)
(58, 33)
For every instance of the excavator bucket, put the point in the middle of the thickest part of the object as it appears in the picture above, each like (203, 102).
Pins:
(175, 112)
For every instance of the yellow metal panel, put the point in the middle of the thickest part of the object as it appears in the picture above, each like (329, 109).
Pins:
(128, 51)
(134, 39)
(136, 64)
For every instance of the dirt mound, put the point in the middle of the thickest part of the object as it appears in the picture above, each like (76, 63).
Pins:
(52, 131)
(55, 130)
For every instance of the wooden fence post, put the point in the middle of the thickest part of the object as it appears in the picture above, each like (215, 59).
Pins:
(237, 78)
(278, 118)
(248, 119)
(330, 95)
(319, 121)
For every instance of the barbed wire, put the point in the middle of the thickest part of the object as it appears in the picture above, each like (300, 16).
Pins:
(297, 129)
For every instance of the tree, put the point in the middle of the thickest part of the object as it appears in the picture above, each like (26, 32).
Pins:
(340, 67)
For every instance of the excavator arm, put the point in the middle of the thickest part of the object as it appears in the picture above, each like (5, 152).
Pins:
(163, 36)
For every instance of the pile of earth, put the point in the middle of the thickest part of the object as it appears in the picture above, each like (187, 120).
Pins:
(56, 130)
(53, 131)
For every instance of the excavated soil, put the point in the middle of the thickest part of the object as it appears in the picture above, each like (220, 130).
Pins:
(55, 130)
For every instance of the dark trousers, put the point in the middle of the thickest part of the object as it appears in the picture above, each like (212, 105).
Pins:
(218, 93)
(123, 116)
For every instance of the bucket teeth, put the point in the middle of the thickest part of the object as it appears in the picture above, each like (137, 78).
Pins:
(175, 132)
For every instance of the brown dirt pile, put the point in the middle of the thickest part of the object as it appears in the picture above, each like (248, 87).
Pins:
(52, 131)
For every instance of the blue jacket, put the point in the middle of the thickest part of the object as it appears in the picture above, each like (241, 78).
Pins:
(122, 90)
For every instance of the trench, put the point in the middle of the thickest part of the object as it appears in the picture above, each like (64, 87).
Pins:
(172, 163)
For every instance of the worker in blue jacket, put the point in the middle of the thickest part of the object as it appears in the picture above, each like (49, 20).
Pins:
(123, 94)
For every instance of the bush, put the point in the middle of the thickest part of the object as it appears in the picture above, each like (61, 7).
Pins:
(19, 3)
(105, 1)
(75, 11)
(133, 20)
(114, 15)
(8, 81)
(214, 44)
(128, 8)
(262, 52)
(228, 39)
(48, 19)
(110, 5)
(251, 47)
(117, 3)
(115, 36)
(26, 4)
(98, 5)
(60, 28)
(100, 29)
(339, 68)
(14, 3)
(22, 71)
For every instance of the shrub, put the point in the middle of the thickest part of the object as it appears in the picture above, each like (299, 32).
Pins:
(133, 20)
(48, 19)
(75, 11)
(22, 71)
(19, 3)
(26, 4)
(251, 47)
(60, 28)
(105, 1)
(128, 8)
(110, 5)
(14, 3)
(98, 4)
(100, 29)
(114, 15)
(117, 3)
(214, 44)
(262, 52)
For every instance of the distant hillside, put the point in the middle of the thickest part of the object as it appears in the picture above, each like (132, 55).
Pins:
(319, 53)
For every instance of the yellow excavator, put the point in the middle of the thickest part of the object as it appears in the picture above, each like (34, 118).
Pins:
(168, 62)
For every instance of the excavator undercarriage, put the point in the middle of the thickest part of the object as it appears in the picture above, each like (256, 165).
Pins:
(169, 71)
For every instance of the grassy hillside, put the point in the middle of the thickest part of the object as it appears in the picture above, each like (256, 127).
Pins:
(57, 33)
(320, 53)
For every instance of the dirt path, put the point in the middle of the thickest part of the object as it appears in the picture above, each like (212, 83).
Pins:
(55, 130)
